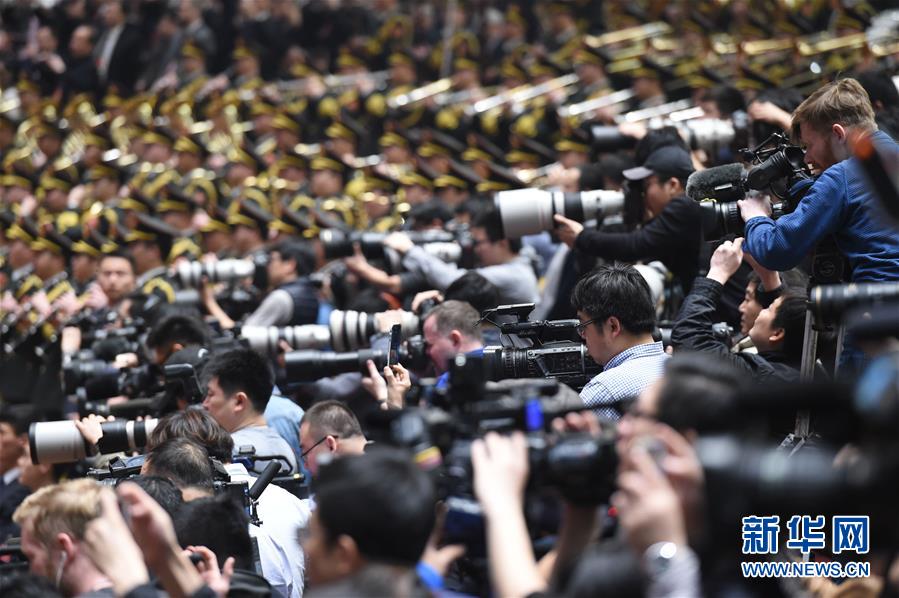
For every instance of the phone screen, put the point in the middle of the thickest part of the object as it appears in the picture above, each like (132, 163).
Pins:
(396, 337)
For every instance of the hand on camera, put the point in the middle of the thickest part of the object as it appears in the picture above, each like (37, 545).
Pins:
(500, 466)
(754, 206)
(219, 581)
(424, 296)
(398, 384)
(567, 230)
(584, 422)
(90, 428)
(399, 242)
(726, 260)
(356, 263)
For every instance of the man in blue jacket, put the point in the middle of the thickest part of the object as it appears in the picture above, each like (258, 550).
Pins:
(840, 203)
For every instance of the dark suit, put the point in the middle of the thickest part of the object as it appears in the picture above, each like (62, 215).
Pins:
(125, 62)
(11, 496)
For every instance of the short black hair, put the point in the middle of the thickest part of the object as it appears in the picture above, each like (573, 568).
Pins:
(182, 461)
(298, 252)
(425, 214)
(791, 317)
(655, 139)
(728, 99)
(380, 499)
(242, 370)
(197, 425)
(474, 289)
(19, 417)
(178, 328)
(698, 390)
(616, 290)
(491, 221)
(221, 525)
(162, 490)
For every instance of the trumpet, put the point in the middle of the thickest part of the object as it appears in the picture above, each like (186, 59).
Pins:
(379, 78)
(588, 107)
(420, 94)
(522, 94)
(637, 33)
(669, 109)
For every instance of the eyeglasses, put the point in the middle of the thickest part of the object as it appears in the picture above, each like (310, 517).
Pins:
(582, 327)
(309, 450)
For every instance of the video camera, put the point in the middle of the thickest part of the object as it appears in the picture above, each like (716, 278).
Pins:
(537, 349)
(580, 467)
(780, 167)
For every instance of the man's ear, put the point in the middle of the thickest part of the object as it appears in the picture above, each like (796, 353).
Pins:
(456, 338)
(331, 443)
(614, 326)
(346, 557)
(777, 335)
(65, 543)
(839, 131)
(241, 402)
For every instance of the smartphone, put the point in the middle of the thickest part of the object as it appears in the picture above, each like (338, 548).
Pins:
(396, 337)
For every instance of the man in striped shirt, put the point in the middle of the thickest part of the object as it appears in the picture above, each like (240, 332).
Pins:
(617, 317)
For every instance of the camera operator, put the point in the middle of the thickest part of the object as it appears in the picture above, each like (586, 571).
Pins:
(672, 233)
(284, 516)
(617, 318)
(186, 463)
(293, 300)
(374, 515)
(331, 428)
(501, 262)
(240, 384)
(840, 203)
(53, 522)
(451, 328)
(777, 332)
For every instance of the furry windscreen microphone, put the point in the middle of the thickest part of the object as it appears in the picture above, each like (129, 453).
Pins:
(724, 183)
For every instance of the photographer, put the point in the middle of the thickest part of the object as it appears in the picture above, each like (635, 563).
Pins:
(329, 427)
(777, 332)
(672, 232)
(293, 300)
(239, 387)
(13, 444)
(617, 318)
(499, 258)
(449, 329)
(374, 515)
(840, 204)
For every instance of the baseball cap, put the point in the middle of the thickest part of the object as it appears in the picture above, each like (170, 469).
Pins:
(665, 162)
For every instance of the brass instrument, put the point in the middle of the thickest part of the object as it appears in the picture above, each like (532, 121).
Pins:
(522, 94)
(645, 114)
(818, 44)
(630, 34)
(420, 94)
(587, 108)
(379, 78)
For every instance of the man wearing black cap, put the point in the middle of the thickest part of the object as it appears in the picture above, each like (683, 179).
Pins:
(672, 232)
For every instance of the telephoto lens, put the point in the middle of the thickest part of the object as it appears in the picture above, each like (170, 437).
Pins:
(531, 211)
(266, 339)
(61, 442)
(834, 299)
(309, 366)
(191, 274)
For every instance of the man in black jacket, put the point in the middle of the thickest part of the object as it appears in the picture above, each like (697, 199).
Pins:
(672, 233)
(777, 332)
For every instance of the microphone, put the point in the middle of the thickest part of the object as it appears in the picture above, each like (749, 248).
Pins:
(724, 183)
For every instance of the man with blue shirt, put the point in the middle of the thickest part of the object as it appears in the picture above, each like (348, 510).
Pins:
(617, 318)
(840, 202)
